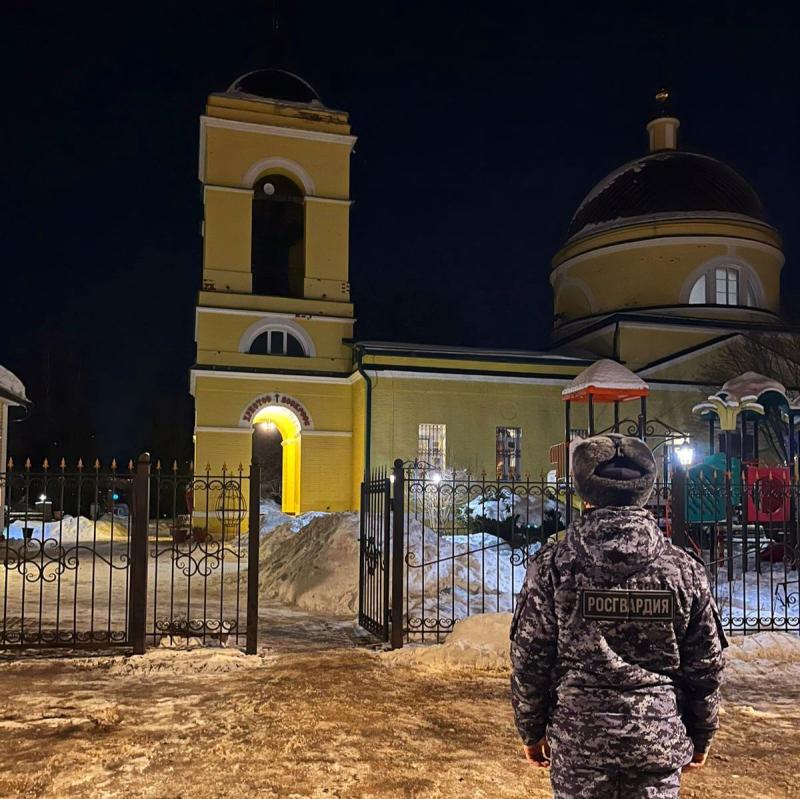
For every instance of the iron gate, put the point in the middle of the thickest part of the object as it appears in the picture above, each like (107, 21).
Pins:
(121, 558)
(374, 557)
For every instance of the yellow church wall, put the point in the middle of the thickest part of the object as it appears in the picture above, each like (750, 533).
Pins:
(326, 473)
(231, 154)
(327, 244)
(226, 238)
(359, 404)
(471, 410)
(292, 305)
(268, 112)
(653, 274)
(221, 334)
(640, 345)
(741, 229)
(325, 451)
(221, 400)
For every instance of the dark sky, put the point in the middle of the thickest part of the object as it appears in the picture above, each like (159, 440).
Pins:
(481, 126)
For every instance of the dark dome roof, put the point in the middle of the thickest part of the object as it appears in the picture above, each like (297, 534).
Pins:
(275, 84)
(666, 182)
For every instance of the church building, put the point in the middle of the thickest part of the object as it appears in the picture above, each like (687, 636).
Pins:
(668, 259)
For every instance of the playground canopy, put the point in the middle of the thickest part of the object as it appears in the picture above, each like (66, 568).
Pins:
(605, 381)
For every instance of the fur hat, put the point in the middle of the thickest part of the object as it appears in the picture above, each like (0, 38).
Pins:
(613, 470)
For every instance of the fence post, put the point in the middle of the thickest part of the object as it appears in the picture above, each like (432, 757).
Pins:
(679, 507)
(398, 555)
(138, 589)
(253, 541)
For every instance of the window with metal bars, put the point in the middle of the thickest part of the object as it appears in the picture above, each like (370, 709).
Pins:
(508, 449)
(432, 444)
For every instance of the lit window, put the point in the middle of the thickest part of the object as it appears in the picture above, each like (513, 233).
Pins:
(277, 342)
(723, 285)
(508, 448)
(727, 286)
(432, 443)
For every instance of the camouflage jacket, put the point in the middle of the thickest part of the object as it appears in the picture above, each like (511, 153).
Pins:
(616, 643)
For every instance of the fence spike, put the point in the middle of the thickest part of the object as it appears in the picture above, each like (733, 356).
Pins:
(27, 463)
(130, 465)
(158, 465)
(241, 468)
(80, 463)
(10, 463)
(46, 464)
(191, 467)
(224, 467)
(62, 464)
(175, 465)
(208, 468)
(97, 463)
(113, 464)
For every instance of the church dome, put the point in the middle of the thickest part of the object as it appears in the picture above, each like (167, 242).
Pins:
(276, 84)
(666, 184)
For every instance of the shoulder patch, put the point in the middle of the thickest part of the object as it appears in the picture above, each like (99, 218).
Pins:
(616, 605)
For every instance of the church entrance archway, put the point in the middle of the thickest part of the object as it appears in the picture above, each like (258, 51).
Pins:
(277, 447)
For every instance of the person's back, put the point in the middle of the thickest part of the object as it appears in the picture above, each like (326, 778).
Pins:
(616, 646)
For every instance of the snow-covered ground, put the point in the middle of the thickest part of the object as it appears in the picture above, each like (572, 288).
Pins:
(72, 528)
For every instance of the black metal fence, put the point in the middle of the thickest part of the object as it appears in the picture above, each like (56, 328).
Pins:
(115, 557)
(461, 545)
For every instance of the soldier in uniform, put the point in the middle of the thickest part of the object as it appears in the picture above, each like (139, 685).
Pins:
(616, 643)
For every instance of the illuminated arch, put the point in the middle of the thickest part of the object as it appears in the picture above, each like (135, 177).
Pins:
(290, 417)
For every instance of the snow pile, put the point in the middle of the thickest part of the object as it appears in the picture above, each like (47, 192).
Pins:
(314, 567)
(71, 529)
(272, 516)
(478, 642)
(454, 576)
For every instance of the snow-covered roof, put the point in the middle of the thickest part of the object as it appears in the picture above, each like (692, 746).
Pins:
(12, 389)
(758, 386)
(608, 380)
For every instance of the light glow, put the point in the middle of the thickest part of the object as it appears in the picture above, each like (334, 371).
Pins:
(267, 427)
(436, 477)
(685, 455)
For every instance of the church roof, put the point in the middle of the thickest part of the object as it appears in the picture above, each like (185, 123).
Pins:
(666, 184)
(276, 84)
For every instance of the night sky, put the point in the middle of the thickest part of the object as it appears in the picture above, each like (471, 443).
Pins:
(481, 126)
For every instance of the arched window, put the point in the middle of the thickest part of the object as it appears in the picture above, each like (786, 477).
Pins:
(724, 284)
(278, 238)
(277, 342)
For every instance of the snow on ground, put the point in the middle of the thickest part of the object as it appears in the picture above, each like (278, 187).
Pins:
(73, 528)
(481, 642)
(752, 595)
(454, 576)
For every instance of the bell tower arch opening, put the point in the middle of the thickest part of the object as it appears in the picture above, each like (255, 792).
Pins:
(278, 237)
(277, 447)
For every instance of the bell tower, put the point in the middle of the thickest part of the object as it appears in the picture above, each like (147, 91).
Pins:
(275, 293)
